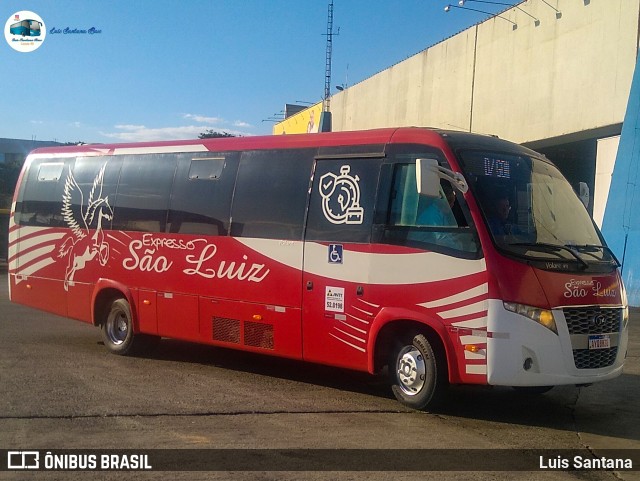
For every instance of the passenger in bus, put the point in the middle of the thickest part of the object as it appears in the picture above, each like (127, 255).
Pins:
(498, 215)
(438, 211)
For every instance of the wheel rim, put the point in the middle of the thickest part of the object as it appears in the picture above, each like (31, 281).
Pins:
(411, 370)
(117, 327)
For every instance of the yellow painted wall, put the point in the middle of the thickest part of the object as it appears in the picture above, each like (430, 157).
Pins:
(306, 121)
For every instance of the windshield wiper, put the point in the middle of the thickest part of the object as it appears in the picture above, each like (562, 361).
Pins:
(591, 248)
(554, 248)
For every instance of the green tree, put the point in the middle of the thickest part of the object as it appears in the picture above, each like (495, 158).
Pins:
(210, 134)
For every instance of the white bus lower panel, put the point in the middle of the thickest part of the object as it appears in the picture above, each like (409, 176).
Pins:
(521, 352)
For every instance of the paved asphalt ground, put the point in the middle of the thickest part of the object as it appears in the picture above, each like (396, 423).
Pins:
(61, 389)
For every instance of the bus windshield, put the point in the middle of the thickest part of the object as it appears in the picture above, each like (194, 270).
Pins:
(532, 212)
(34, 27)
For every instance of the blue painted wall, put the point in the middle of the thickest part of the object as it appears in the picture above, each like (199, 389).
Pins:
(621, 224)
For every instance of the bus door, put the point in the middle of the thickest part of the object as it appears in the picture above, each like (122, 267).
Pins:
(256, 297)
(336, 260)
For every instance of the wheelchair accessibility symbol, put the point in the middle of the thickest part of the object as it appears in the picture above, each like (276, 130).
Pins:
(335, 253)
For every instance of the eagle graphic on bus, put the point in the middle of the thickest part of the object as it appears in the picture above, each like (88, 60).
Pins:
(81, 246)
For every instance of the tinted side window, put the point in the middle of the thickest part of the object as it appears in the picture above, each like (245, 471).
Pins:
(342, 200)
(270, 199)
(436, 224)
(90, 191)
(202, 192)
(143, 194)
(41, 202)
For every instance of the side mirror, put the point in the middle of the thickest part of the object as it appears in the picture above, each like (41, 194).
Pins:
(427, 178)
(428, 175)
(584, 194)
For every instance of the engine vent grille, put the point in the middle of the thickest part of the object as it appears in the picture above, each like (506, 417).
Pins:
(226, 330)
(258, 335)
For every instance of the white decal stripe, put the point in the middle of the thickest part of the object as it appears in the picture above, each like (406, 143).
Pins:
(465, 310)
(369, 303)
(481, 354)
(13, 250)
(34, 254)
(473, 339)
(476, 369)
(361, 331)
(24, 231)
(347, 343)
(168, 149)
(472, 324)
(461, 296)
(39, 240)
(116, 239)
(363, 311)
(34, 268)
(357, 319)
(351, 335)
(288, 253)
(364, 267)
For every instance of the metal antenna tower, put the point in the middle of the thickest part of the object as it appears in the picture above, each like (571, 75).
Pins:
(327, 69)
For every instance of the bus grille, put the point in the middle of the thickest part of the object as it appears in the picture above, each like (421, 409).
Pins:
(593, 320)
(581, 320)
(594, 359)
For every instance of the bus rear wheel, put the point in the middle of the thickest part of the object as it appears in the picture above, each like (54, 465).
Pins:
(416, 377)
(118, 333)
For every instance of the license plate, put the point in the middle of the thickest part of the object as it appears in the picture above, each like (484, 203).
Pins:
(601, 341)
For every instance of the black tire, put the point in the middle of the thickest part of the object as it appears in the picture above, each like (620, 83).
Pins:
(118, 332)
(418, 376)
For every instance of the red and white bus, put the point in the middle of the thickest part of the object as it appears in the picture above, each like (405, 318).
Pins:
(448, 257)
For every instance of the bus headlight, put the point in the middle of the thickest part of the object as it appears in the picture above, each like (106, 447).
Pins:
(543, 317)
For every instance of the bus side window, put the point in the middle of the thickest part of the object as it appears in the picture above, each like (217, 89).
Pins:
(41, 202)
(431, 224)
(343, 199)
(202, 192)
(142, 201)
(270, 197)
(438, 212)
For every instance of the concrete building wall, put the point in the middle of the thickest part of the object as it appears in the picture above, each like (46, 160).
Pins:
(565, 75)
(607, 149)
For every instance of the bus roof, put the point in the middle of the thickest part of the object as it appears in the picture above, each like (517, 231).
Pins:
(361, 137)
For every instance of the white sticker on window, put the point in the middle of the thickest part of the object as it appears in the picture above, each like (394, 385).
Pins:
(341, 197)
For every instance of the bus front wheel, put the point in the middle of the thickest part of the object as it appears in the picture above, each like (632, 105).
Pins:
(416, 377)
(117, 331)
